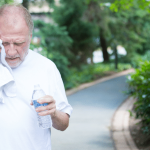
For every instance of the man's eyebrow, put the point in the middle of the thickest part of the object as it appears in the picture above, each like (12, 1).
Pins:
(19, 42)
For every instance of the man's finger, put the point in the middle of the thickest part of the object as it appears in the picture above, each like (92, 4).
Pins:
(43, 108)
(45, 99)
(48, 112)
(31, 103)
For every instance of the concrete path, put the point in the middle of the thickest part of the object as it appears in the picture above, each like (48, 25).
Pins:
(91, 119)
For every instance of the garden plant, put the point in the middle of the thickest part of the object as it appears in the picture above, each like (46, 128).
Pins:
(139, 84)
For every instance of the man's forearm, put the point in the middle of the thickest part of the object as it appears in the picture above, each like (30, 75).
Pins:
(60, 120)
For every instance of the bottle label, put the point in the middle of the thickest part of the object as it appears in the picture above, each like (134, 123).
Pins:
(36, 104)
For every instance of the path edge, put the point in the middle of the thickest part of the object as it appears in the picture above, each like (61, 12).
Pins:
(120, 132)
(86, 85)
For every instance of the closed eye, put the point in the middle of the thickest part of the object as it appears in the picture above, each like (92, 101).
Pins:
(18, 44)
(5, 43)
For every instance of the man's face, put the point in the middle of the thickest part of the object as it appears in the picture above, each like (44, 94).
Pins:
(16, 39)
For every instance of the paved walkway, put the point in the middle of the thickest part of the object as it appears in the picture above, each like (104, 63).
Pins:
(91, 119)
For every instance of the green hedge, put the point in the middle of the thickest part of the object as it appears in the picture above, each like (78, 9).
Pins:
(139, 84)
(87, 73)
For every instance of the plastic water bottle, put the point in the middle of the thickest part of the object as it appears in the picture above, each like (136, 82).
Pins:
(44, 121)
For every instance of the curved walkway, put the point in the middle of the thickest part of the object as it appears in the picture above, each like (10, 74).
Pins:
(91, 119)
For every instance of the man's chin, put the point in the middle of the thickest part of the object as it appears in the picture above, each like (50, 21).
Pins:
(13, 66)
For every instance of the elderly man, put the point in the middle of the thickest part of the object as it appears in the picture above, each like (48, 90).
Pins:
(18, 120)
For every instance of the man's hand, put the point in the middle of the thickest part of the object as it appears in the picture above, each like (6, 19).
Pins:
(50, 109)
(60, 120)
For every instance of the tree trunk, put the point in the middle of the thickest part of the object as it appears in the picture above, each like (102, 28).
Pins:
(25, 3)
(91, 57)
(116, 57)
(104, 47)
(92, 60)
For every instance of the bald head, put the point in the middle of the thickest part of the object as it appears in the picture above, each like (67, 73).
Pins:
(12, 14)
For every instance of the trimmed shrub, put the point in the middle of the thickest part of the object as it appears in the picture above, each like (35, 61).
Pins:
(139, 85)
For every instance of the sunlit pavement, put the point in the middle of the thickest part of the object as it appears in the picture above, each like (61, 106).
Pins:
(90, 122)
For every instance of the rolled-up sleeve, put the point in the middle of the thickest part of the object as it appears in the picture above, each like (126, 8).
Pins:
(60, 95)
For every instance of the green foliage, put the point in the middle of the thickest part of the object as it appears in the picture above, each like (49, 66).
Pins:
(2, 2)
(130, 112)
(131, 29)
(138, 59)
(120, 5)
(139, 83)
(128, 27)
(55, 43)
(70, 14)
(87, 73)
(90, 21)
(98, 14)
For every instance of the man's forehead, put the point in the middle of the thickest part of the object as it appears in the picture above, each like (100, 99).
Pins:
(15, 38)
(11, 19)
(9, 10)
(11, 15)
(13, 24)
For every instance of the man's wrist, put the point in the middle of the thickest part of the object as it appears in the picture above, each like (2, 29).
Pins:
(54, 114)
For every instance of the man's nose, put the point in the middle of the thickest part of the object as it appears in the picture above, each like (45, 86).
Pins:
(11, 51)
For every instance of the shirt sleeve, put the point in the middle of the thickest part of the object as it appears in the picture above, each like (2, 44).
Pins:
(60, 95)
